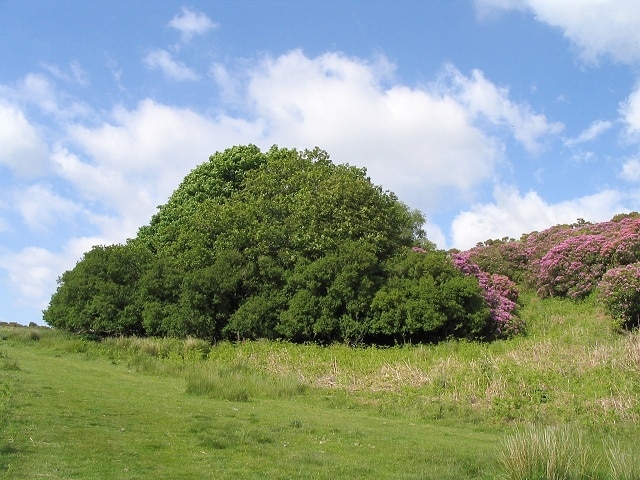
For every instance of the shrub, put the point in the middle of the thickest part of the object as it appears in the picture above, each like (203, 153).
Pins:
(619, 292)
(425, 298)
(564, 260)
(499, 292)
(572, 268)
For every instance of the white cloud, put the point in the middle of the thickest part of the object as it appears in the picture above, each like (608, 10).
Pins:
(490, 8)
(190, 23)
(594, 130)
(512, 214)
(417, 140)
(37, 89)
(40, 207)
(74, 75)
(630, 112)
(631, 170)
(484, 99)
(435, 234)
(595, 27)
(23, 150)
(228, 86)
(171, 68)
(115, 69)
(33, 271)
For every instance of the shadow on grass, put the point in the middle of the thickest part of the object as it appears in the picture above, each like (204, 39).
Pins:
(6, 451)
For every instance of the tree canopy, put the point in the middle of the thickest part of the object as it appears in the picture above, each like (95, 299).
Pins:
(278, 244)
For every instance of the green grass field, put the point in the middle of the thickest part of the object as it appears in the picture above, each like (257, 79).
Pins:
(132, 408)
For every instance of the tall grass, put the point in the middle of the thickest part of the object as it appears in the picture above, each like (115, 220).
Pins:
(547, 453)
(623, 463)
(561, 453)
(190, 348)
(572, 366)
(238, 382)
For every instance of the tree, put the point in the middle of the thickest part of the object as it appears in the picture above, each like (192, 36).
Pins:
(98, 295)
(282, 244)
(425, 298)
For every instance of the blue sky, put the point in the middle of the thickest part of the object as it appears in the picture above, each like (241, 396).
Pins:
(493, 117)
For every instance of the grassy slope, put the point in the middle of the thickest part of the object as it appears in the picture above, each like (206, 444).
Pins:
(79, 416)
(120, 409)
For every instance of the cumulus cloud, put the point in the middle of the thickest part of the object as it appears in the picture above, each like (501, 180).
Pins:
(33, 271)
(630, 113)
(418, 140)
(484, 99)
(23, 149)
(30, 271)
(512, 214)
(40, 207)
(38, 90)
(631, 170)
(190, 23)
(595, 27)
(170, 67)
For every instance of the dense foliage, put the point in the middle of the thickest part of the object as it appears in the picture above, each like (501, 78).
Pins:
(575, 261)
(500, 294)
(619, 291)
(286, 244)
(282, 244)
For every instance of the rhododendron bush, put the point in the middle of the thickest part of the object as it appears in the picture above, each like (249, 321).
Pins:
(564, 260)
(573, 261)
(500, 293)
(619, 291)
(572, 268)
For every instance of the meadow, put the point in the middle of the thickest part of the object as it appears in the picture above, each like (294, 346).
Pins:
(558, 402)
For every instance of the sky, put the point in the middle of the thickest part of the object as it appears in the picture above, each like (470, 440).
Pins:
(494, 118)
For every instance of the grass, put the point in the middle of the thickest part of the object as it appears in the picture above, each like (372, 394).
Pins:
(239, 383)
(97, 419)
(560, 402)
(551, 452)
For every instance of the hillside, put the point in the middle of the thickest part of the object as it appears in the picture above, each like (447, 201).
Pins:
(134, 407)
(574, 261)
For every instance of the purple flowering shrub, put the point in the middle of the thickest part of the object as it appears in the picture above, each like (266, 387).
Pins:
(623, 244)
(571, 268)
(500, 293)
(564, 260)
(619, 292)
(504, 257)
(571, 260)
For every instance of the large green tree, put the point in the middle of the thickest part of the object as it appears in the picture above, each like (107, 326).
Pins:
(280, 244)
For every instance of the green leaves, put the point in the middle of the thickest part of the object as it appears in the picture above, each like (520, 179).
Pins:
(98, 295)
(283, 244)
(425, 298)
